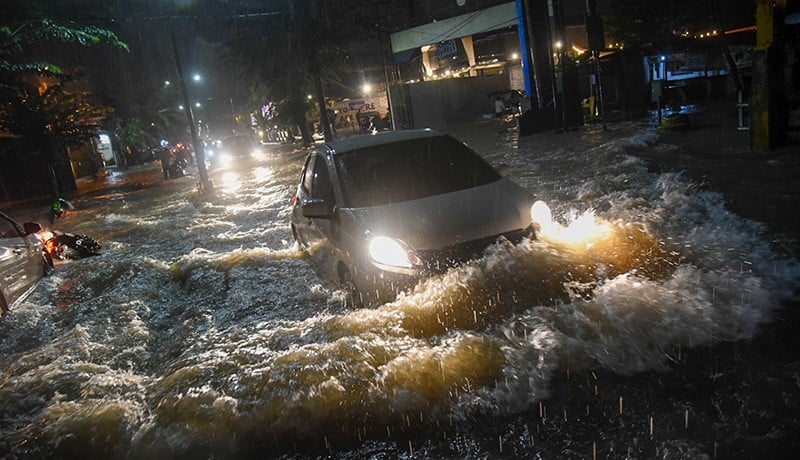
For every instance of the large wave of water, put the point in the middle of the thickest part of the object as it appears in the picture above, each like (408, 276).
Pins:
(203, 330)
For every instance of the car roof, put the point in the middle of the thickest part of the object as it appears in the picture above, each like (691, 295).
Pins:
(380, 138)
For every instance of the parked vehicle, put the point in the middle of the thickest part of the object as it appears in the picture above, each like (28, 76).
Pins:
(379, 212)
(22, 261)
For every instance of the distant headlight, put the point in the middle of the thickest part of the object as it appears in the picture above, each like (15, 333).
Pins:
(258, 155)
(392, 255)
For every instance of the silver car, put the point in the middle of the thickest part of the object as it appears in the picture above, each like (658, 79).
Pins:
(379, 212)
(22, 261)
(235, 151)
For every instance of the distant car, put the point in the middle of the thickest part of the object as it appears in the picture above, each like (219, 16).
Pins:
(22, 261)
(236, 150)
(379, 212)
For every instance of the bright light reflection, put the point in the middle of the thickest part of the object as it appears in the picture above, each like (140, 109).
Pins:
(262, 174)
(230, 181)
(582, 232)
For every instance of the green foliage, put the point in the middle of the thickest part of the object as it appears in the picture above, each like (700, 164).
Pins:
(13, 42)
(296, 45)
(55, 116)
(133, 132)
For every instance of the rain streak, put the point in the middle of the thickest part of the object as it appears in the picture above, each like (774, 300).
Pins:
(202, 329)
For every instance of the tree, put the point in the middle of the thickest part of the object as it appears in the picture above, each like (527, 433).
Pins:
(295, 48)
(34, 103)
(14, 41)
(50, 120)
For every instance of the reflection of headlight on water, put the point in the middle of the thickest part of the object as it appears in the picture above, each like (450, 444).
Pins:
(230, 181)
(581, 232)
(262, 174)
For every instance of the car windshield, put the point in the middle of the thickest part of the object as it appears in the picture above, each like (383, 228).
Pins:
(238, 143)
(410, 170)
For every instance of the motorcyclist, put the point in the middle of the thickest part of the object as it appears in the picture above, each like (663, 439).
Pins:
(56, 242)
(164, 156)
(58, 208)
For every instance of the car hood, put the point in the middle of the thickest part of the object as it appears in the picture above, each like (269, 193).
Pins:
(444, 220)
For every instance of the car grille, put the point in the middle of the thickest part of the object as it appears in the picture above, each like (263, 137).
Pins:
(441, 260)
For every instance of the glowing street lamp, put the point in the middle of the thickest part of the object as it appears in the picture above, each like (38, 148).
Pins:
(366, 88)
(206, 186)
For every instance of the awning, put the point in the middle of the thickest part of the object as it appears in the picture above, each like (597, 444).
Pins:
(487, 20)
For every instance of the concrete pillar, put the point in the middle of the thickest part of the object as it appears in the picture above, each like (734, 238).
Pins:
(470, 50)
(427, 68)
(768, 116)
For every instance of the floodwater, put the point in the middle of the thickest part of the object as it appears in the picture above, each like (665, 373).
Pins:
(202, 331)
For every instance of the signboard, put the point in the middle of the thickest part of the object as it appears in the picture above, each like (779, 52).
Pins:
(105, 149)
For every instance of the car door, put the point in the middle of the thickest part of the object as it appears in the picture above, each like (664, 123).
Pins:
(17, 266)
(317, 231)
(303, 223)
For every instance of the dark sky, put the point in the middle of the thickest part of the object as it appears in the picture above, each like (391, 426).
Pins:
(135, 76)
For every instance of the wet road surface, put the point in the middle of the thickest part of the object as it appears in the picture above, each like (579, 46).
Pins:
(202, 331)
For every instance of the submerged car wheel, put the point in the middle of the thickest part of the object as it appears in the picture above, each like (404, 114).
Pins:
(353, 296)
(299, 241)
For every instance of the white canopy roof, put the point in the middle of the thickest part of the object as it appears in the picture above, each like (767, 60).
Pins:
(496, 17)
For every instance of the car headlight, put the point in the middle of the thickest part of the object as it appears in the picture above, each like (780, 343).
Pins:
(224, 159)
(392, 255)
(257, 154)
(541, 215)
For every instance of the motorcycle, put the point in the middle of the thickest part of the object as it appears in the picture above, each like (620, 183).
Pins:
(61, 245)
(178, 168)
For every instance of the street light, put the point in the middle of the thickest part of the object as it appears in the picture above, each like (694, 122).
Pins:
(196, 77)
(206, 186)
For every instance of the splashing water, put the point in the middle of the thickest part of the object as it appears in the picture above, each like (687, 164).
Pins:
(204, 329)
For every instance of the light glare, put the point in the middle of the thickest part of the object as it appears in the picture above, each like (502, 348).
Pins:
(387, 251)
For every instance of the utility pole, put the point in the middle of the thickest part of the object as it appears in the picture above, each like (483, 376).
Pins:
(594, 31)
(768, 81)
(206, 186)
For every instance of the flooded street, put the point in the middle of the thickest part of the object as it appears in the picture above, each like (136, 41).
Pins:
(203, 331)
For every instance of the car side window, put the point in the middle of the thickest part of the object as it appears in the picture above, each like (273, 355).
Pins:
(322, 187)
(8, 229)
(308, 175)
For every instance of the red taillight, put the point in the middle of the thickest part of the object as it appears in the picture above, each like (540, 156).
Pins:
(50, 246)
(294, 200)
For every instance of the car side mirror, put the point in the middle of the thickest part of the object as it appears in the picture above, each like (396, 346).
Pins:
(318, 208)
(31, 227)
